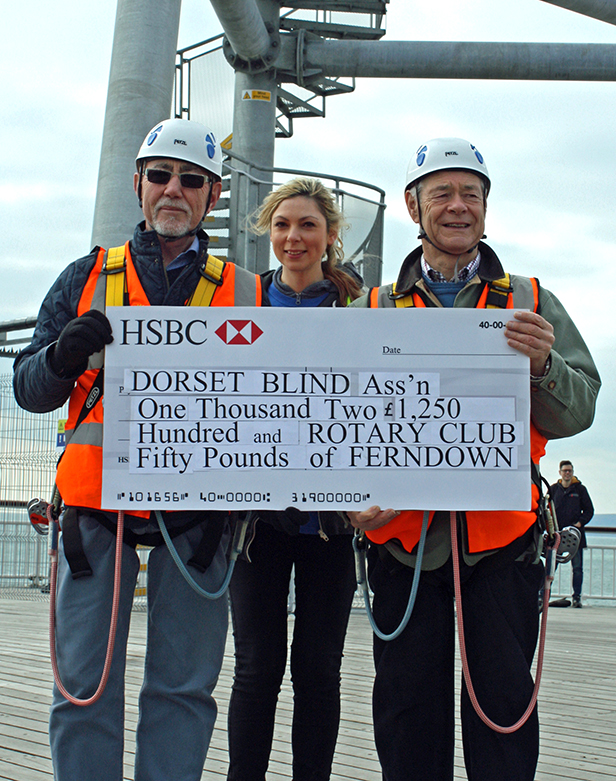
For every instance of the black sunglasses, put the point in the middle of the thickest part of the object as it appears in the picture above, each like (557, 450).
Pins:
(160, 176)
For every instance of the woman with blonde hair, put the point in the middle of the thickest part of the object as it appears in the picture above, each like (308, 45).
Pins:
(304, 211)
(304, 223)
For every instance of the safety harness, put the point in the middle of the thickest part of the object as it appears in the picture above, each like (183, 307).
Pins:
(498, 295)
(558, 545)
(116, 294)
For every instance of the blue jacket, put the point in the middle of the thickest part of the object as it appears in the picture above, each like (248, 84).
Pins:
(573, 505)
(37, 388)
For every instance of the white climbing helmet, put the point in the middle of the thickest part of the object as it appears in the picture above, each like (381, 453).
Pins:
(182, 139)
(446, 154)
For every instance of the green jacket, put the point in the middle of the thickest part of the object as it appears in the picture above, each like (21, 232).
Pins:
(562, 402)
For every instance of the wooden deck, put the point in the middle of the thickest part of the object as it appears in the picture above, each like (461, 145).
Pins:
(577, 700)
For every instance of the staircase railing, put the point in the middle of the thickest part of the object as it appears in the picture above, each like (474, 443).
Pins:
(363, 205)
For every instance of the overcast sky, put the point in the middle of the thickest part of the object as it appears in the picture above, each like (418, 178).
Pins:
(549, 147)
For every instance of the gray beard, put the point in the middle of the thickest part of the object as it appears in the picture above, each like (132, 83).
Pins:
(168, 230)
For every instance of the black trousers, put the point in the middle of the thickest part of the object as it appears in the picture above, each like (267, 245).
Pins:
(413, 698)
(324, 587)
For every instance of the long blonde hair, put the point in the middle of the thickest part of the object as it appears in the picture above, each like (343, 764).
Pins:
(306, 187)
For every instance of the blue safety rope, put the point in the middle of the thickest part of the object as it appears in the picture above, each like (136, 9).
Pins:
(362, 582)
(236, 549)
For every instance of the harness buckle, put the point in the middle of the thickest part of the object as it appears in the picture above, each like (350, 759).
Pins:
(502, 285)
(114, 261)
(215, 281)
(498, 292)
(113, 270)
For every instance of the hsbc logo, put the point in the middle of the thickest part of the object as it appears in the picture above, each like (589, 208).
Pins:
(239, 332)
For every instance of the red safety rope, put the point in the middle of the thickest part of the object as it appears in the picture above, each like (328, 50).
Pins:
(549, 577)
(53, 552)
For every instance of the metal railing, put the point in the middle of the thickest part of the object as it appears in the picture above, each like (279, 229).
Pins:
(204, 90)
(29, 447)
(7, 346)
(24, 566)
(599, 574)
(362, 204)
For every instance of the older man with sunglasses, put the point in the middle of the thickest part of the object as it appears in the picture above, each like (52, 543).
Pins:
(178, 181)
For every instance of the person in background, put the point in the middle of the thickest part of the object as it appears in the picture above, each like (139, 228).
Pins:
(573, 507)
(500, 569)
(177, 182)
(304, 223)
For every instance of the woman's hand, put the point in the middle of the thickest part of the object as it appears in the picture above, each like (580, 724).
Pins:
(372, 518)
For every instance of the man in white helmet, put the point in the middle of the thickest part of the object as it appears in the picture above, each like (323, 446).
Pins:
(178, 180)
(186, 174)
(446, 193)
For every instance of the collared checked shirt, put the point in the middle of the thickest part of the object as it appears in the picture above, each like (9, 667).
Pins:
(464, 274)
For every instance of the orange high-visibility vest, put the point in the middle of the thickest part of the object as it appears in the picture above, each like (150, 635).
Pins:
(80, 470)
(487, 529)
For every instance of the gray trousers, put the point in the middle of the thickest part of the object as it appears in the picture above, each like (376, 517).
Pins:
(185, 646)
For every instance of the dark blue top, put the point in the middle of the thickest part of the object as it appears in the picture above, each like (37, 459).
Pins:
(313, 295)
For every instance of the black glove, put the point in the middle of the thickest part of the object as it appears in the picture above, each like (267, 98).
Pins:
(81, 338)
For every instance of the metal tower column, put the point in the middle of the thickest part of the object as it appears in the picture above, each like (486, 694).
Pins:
(254, 133)
(139, 95)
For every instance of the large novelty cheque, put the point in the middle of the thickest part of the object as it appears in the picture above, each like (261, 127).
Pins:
(235, 408)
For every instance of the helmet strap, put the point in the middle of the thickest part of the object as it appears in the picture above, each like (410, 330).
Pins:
(209, 198)
(139, 187)
(423, 235)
